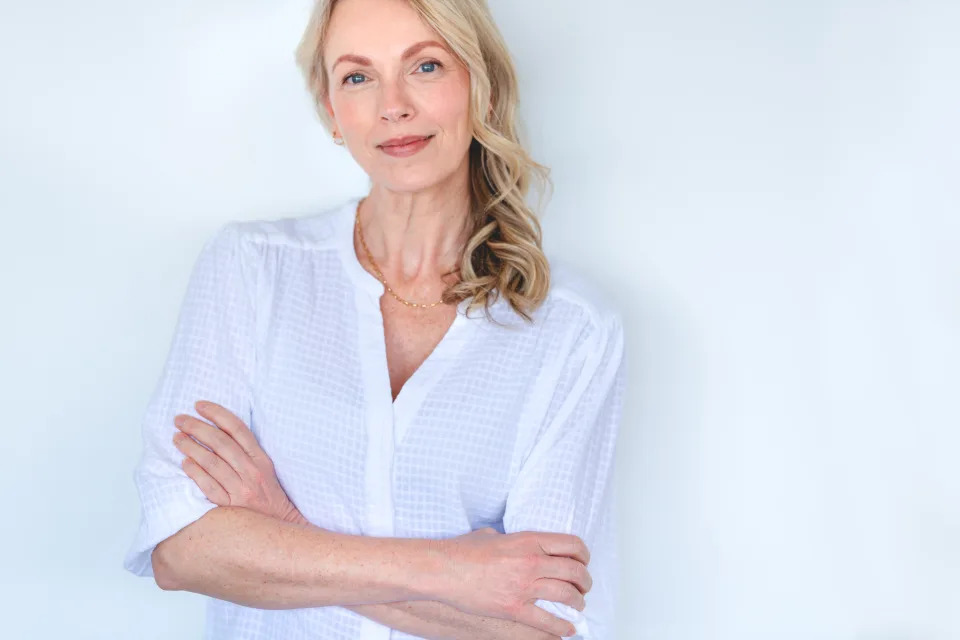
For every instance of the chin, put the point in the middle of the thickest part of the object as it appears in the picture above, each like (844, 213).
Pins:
(410, 181)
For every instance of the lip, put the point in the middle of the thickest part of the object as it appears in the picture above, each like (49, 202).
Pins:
(405, 145)
(401, 141)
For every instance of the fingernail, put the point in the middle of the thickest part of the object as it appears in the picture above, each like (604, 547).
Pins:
(179, 420)
(203, 406)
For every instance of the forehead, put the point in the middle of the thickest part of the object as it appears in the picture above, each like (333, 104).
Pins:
(376, 29)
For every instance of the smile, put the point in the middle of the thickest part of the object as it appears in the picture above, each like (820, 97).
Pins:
(407, 148)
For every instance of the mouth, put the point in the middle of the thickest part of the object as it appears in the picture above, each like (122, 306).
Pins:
(404, 141)
(405, 146)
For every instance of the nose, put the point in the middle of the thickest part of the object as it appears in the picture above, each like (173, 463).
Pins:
(395, 105)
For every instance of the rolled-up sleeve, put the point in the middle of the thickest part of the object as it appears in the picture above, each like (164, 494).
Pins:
(566, 482)
(211, 357)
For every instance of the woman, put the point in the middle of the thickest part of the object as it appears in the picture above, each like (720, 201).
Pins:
(376, 453)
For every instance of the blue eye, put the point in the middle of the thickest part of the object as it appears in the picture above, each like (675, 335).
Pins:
(432, 66)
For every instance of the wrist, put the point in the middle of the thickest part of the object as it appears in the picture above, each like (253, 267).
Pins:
(292, 514)
(298, 518)
(433, 575)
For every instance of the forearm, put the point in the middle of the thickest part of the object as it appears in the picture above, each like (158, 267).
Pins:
(438, 621)
(239, 555)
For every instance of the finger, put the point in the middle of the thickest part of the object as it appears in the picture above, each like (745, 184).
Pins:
(218, 441)
(563, 544)
(573, 571)
(233, 425)
(539, 618)
(212, 463)
(210, 487)
(558, 591)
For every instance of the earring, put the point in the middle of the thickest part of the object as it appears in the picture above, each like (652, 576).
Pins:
(337, 140)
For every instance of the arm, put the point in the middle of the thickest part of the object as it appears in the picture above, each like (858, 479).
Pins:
(239, 555)
(437, 621)
(565, 483)
(233, 471)
(236, 554)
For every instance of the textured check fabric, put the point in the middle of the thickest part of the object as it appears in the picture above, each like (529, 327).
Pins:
(512, 427)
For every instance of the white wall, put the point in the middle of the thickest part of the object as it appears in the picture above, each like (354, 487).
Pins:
(770, 189)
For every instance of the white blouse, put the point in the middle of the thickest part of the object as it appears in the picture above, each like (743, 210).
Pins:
(511, 427)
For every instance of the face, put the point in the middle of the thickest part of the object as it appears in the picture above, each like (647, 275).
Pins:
(392, 76)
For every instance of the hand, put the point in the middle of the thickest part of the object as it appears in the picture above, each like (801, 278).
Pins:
(499, 575)
(233, 470)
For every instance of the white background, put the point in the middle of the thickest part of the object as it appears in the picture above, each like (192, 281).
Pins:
(770, 189)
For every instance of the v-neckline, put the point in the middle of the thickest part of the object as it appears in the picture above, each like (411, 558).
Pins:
(425, 377)
(438, 350)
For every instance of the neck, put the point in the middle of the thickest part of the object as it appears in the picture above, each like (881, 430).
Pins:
(416, 237)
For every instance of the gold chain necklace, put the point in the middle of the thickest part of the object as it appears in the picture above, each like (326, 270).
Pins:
(380, 274)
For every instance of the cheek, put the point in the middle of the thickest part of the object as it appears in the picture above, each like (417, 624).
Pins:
(353, 113)
(453, 112)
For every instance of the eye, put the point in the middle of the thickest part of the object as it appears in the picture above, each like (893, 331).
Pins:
(353, 75)
(432, 63)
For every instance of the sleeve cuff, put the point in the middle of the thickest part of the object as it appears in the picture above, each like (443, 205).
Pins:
(160, 520)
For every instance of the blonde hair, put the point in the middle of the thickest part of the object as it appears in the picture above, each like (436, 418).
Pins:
(504, 254)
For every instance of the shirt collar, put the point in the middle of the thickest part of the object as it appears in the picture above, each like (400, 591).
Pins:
(345, 221)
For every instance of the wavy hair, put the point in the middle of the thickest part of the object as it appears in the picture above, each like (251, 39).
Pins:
(504, 253)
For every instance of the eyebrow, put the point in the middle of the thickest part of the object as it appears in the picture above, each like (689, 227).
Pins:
(412, 50)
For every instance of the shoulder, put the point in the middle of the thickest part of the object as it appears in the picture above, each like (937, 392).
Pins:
(314, 231)
(574, 297)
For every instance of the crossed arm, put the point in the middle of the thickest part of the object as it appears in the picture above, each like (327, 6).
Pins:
(240, 555)
(257, 549)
